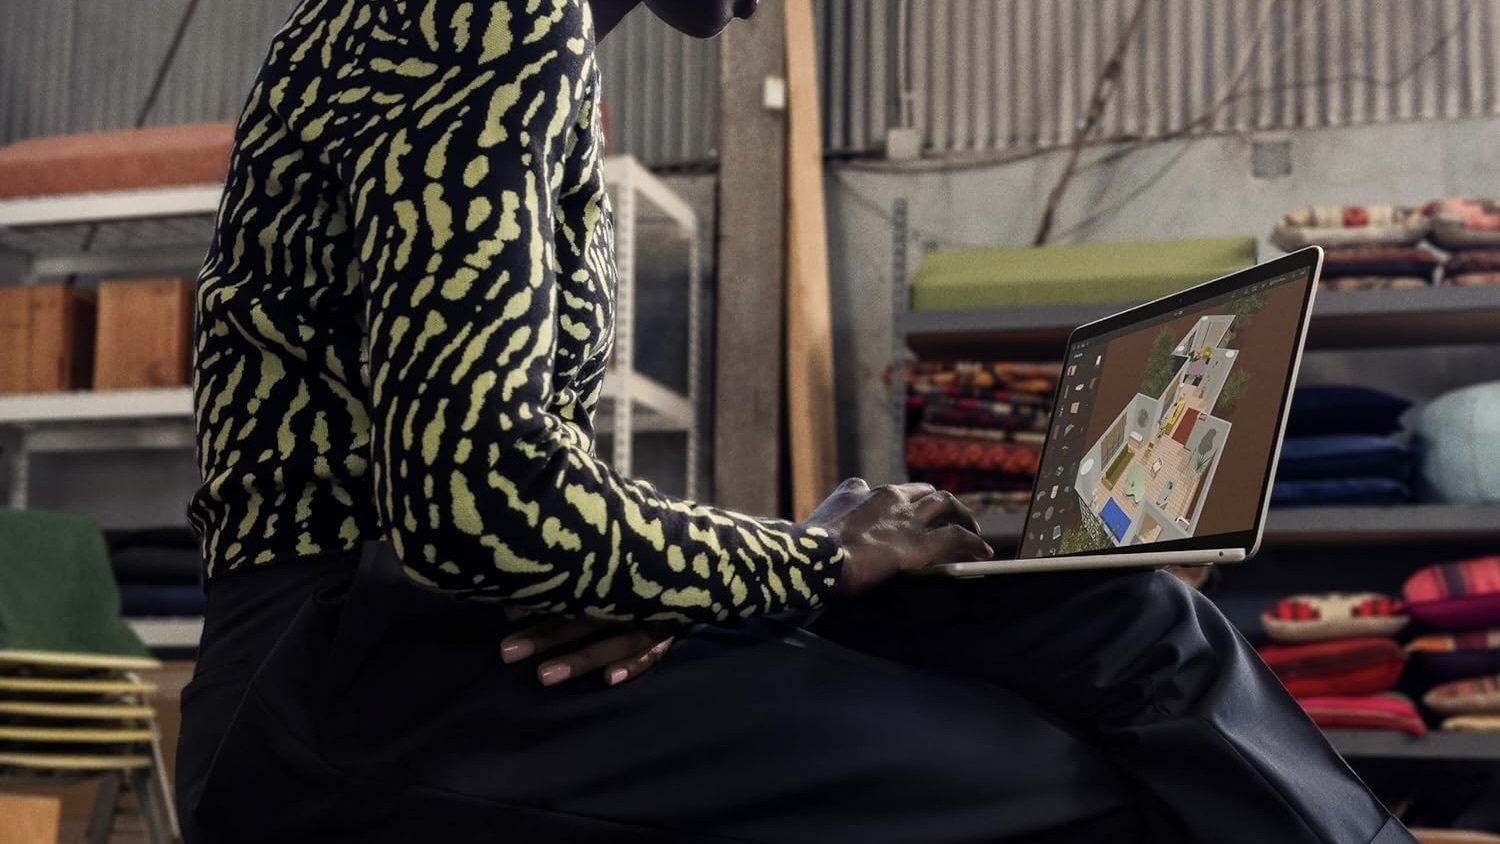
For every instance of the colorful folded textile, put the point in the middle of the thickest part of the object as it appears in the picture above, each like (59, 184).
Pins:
(928, 452)
(1443, 657)
(1344, 409)
(1362, 666)
(1461, 222)
(1388, 711)
(1015, 411)
(1329, 492)
(1348, 226)
(1344, 456)
(1472, 279)
(1475, 696)
(1473, 724)
(996, 501)
(1335, 615)
(970, 376)
(972, 482)
(999, 434)
(1456, 596)
(1473, 261)
(1381, 261)
(1358, 283)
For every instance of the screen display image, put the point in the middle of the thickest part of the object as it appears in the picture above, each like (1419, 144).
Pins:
(1162, 431)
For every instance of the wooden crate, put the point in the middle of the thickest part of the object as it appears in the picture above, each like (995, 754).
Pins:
(145, 333)
(46, 338)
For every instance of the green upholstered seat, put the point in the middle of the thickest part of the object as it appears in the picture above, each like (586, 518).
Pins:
(1073, 274)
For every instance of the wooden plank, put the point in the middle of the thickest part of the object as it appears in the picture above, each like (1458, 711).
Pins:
(811, 409)
(748, 359)
(29, 820)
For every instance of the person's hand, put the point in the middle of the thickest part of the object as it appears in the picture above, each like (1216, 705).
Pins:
(623, 654)
(896, 528)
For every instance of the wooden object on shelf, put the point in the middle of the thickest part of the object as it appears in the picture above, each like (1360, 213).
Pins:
(29, 819)
(145, 333)
(47, 334)
(748, 362)
(809, 325)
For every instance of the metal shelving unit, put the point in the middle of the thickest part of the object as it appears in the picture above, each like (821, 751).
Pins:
(1407, 523)
(1387, 744)
(1434, 316)
(166, 230)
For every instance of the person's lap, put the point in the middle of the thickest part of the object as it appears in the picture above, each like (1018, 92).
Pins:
(732, 738)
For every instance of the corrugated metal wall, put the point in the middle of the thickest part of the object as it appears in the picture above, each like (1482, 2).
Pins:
(1016, 74)
(984, 74)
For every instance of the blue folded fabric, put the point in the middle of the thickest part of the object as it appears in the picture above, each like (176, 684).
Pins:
(142, 601)
(1344, 456)
(1333, 491)
(1344, 410)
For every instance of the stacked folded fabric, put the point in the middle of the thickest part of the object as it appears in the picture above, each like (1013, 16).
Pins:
(1470, 230)
(1340, 449)
(1462, 599)
(976, 429)
(158, 571)
(1336, 653)
(1369, 247)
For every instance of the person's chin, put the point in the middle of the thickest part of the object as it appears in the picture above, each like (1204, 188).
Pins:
(700, 19)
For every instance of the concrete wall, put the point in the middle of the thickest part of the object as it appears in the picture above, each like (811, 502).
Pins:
(1176, 189)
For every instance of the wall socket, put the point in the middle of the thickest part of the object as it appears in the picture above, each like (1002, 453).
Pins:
(1271, 158)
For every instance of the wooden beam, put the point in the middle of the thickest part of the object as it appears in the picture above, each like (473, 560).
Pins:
(748, 360)
(811, 408)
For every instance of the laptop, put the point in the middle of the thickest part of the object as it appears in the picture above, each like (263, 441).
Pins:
(1166, 428)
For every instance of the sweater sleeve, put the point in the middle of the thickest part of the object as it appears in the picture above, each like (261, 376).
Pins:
(464, 139)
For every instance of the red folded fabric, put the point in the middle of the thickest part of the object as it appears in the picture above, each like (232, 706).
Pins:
(1374, 712)
(935, 453)
(1456, 596)
(1363, 666)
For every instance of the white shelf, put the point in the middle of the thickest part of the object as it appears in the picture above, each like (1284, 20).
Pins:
(168, 633)
(36, 231)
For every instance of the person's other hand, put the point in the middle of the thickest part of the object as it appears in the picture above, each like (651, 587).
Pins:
(625, 653)
(896, 528)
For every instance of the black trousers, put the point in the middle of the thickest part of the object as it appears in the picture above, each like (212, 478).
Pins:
(334, 701)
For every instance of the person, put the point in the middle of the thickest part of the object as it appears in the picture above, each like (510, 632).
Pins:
(435, 614)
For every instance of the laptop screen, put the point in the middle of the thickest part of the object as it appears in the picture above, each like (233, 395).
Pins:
(1164, 426)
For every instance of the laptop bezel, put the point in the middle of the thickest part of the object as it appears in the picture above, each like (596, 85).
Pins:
(1311, 259)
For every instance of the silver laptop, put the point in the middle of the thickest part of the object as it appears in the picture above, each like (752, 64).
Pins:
(1167, 426)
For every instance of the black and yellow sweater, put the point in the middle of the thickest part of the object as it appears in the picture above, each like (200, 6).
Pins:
(405, 319)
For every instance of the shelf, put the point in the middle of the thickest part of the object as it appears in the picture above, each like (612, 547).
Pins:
(1433, 316)
(1412, 523)
(1385, 744)
(48, 415)
(168, 633)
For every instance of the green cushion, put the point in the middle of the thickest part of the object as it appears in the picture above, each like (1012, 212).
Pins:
(1073, 274)
(57, 591)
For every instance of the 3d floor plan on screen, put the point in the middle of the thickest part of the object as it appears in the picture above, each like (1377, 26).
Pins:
(1147, 477)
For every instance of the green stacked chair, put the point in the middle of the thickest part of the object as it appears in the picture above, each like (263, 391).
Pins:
(70, 704)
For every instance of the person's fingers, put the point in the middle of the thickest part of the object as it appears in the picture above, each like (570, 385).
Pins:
(547, 635)
(944, 508)
(628, 669)
(955, 541)
(595, 656)
(853, 485)
(890, 495)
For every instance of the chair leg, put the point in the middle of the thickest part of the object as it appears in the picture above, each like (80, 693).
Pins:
(167, 799)
(149, 805)
(106, 803)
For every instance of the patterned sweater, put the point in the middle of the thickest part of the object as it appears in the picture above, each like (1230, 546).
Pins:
(405, 320)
